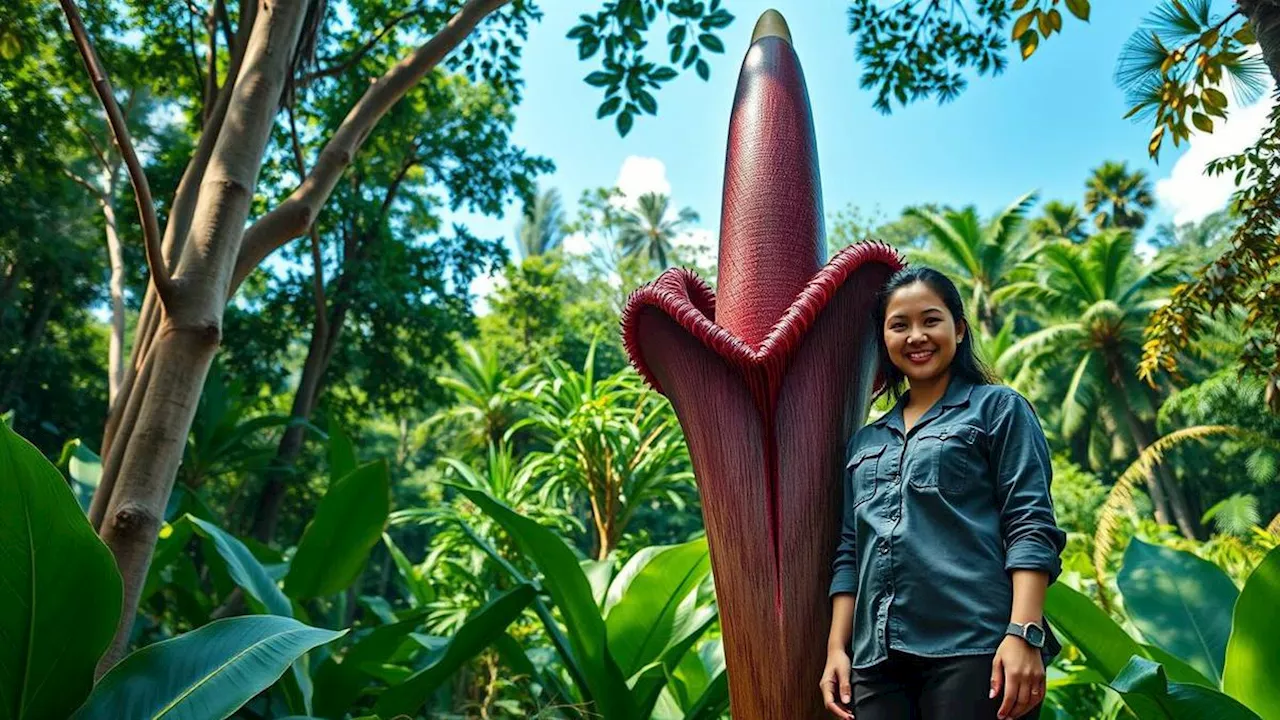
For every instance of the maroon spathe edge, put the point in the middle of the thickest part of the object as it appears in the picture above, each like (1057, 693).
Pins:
(684, 297)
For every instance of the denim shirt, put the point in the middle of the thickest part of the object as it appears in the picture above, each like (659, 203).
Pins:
(936, 519)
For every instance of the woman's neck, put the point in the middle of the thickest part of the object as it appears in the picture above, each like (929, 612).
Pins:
(922, 394)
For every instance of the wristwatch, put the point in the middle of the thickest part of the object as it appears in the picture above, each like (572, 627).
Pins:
(1032, 632)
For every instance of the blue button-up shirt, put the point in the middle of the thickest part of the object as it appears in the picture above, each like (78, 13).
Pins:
(936, 519)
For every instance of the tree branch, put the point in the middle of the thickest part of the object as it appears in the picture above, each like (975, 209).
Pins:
(292, 217)
(146, 206)
(363, 50)
(211, 79)
(95, 191)
(228, 35)
(317, 261)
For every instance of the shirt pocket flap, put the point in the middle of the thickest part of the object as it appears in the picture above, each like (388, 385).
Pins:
(864, 454)
(965, 433)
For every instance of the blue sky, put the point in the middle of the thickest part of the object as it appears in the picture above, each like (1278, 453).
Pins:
(1041, 125)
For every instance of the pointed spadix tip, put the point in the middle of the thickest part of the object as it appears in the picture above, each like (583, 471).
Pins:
(771, 24)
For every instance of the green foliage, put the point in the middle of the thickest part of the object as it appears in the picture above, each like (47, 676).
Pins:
(1242, 278)
(649, 622)
(914, 50)
(1174, 65)
(1118, 198)
(348, 523)
(1179, 602)
(480, 631)
(206, 674)
(1252, 653)
(50, 637)
(627, 76)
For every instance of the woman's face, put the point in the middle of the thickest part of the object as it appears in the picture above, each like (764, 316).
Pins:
(920, 333)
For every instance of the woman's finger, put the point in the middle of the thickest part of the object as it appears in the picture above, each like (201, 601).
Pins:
(997, 676)
(1011, 689)
(1024, 699)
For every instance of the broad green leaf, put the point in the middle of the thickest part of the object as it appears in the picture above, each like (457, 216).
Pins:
(1176, 701)
(1079, 8)
(60, 593)
(342, 454)
(347, 524)
(1180, 602)
(1176, 668)
(206, 674)
(1106, 646)
(641, 610)
(480, 630)
(340, 680)
(1253, 653)
(564, 580)
(599, 573)
(244, 568)
(693, 622)
(420, 591)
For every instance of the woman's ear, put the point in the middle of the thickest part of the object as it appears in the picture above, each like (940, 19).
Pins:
(962, 329)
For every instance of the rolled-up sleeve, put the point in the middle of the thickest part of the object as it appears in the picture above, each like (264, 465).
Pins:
(1023, 473)
(844, 568)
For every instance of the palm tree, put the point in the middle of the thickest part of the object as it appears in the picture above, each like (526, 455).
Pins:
(485, 396)
(612, 440)
(979, 258)
(649, 230)
(1118, 198)
(1095, 300)
(1059, 220)
(542, 226)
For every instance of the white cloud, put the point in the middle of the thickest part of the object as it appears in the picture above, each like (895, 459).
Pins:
(1189, 193)
(578, 244)
(640, 175)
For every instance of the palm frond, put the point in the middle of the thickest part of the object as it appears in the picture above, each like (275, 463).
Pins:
(1235, 515)
(1273, 527)
(1038, 342)
(1007, 223)
(1119, 502)
(948, 237)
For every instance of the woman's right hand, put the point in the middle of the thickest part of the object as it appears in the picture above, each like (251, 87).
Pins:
(836, 692)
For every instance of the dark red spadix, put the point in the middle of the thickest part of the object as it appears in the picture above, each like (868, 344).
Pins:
(768, 380)
(771, 228)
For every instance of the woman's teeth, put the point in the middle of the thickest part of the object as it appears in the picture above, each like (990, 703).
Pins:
(921, 356)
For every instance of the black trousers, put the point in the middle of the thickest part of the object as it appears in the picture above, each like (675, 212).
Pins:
(910, 687)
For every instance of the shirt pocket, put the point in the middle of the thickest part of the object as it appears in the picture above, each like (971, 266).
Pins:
(947, 458)
(864, 470)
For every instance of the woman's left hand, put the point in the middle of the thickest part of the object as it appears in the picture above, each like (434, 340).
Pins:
(1018, 670)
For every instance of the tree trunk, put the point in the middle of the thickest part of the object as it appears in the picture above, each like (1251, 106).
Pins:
(1264, 15)
(324, 338)
(1166, 494)
(188, 334)
(210, 252)
(115, 355)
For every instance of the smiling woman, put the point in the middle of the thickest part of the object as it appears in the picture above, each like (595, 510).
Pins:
(939, 581)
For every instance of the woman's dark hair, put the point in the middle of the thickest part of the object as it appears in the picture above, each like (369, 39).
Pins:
(965, 364)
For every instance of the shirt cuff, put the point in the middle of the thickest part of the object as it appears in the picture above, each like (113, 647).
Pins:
(1032, 555)
(843, 582)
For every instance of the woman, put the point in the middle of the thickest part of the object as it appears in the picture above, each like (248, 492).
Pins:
(949, 539)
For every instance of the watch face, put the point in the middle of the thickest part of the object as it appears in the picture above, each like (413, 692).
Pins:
(1035, 635)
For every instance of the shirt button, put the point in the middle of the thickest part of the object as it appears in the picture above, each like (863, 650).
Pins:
(884, 546)
(894, 516)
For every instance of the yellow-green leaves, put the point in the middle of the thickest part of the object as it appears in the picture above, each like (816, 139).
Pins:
(1042, 20)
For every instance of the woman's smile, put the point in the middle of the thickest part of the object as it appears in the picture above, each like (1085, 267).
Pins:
(920, 357)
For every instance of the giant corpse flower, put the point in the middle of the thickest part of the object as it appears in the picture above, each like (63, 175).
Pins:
(768, 380)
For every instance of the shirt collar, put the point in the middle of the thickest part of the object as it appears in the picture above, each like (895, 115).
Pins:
(956, 395)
